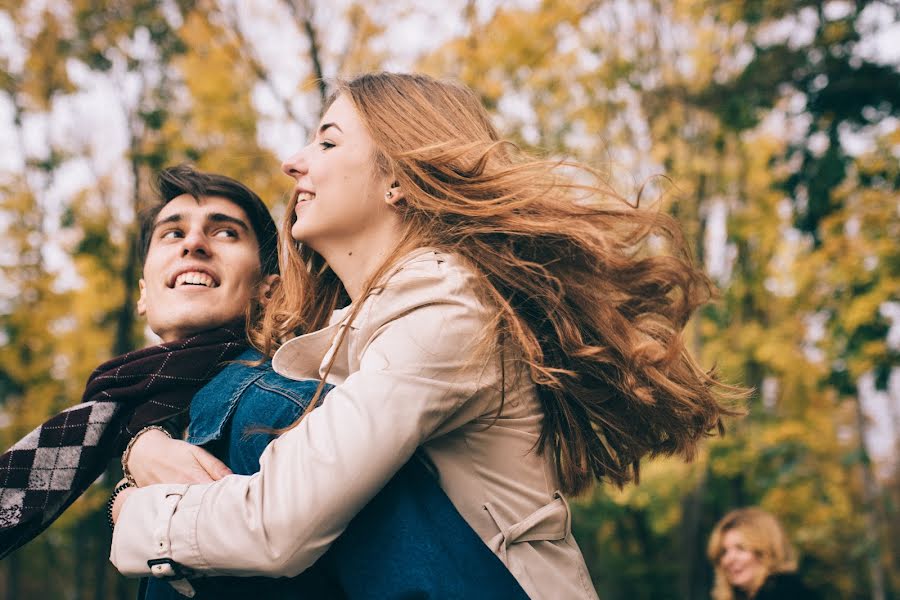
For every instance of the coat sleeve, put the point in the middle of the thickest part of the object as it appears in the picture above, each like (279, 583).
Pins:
(418, 377)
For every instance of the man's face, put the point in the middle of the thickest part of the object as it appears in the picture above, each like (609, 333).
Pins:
(202, 267)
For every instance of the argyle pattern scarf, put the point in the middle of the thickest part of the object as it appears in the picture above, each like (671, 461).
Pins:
(48, 469)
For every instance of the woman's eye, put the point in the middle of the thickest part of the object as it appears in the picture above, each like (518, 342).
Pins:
(226, 233)
(326, 145)
(171, 234)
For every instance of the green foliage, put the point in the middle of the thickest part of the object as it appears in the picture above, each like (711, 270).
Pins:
(54, 335)
(739, 120)
(798, 453)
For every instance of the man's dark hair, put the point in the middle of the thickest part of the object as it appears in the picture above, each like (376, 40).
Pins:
(184, 179)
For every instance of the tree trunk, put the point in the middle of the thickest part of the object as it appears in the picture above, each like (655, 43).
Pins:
(874, 527)
(303, 13)
(123, 340)
(13, 567)
(101, 538)
(693, 558)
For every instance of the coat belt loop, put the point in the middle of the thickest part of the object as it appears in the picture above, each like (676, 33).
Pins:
(551, 522)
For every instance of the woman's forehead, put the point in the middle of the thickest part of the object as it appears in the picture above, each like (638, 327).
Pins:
(342, 114)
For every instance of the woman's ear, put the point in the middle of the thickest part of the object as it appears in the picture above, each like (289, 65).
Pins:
(394, 194)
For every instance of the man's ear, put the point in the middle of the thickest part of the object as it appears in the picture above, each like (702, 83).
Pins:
(265, 288)
(142, 299)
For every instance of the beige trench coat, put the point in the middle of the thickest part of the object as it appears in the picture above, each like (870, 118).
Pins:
(412, 372)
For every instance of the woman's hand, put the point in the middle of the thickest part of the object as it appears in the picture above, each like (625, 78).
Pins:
(156, 458)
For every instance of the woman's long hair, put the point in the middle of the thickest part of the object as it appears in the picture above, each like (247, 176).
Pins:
(763, 535)
(596, 318)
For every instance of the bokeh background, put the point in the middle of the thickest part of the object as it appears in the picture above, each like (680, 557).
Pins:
(768, 127)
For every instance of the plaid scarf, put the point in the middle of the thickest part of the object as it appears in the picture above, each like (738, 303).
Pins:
(47, 470)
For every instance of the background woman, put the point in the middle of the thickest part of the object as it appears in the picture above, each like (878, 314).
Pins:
(753, 558)
(504, 316)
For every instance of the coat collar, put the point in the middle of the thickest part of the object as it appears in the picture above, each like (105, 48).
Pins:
(306, 356)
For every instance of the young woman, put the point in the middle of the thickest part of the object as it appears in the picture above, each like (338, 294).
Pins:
(753, 558)
(503, 317)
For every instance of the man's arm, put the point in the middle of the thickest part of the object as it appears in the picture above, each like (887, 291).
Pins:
(156, 458)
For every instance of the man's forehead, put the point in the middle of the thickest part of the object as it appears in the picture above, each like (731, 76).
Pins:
(203, 206)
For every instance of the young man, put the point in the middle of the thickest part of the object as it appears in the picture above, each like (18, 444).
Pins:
(209, 250)
(209, 253)
(42, 474)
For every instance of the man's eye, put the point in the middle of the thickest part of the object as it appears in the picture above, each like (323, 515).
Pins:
(171, 234)
(226, 233)
(325, 145)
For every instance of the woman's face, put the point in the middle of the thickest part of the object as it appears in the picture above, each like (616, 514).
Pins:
(340, 195)
(742, 567)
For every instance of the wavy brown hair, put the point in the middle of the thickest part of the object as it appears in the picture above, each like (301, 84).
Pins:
(763, 535)
(596, 318)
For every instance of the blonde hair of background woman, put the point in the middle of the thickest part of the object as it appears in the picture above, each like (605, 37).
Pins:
(596, 319)
(763, 535)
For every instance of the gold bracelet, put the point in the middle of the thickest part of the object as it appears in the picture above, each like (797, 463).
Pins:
(127, 453)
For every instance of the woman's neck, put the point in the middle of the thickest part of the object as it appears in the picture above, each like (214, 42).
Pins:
(356, 262)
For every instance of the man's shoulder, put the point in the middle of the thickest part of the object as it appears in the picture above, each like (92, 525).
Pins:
(247, 366)
(252, 371)
(247, 392)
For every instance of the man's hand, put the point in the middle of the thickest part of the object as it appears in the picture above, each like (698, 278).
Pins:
(156, 458)
(119, 503)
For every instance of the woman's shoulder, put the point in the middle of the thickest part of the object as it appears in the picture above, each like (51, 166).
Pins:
(424, 277)
(430, 267)
(780, 586)
(430, 295)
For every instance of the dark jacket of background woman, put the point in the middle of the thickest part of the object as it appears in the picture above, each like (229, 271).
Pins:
(784, 586)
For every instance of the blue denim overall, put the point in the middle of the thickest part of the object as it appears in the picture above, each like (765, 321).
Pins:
(408, 542)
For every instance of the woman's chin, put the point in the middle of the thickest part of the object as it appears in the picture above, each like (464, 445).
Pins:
(741, 582)
(305, 237)
(299, 233)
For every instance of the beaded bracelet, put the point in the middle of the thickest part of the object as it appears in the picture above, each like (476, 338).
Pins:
(127, 453)
(112, 500)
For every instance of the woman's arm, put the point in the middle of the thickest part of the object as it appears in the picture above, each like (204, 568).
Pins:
(416, 375)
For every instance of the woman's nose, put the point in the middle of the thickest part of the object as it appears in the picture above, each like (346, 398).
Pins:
(726, 558)
(294, 166)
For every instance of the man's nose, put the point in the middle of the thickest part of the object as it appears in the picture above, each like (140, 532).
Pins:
(295, 166)
(195, 243)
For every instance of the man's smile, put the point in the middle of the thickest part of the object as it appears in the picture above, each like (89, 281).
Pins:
(193, 276)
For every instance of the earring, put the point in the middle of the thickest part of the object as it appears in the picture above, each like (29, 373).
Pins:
(389, 195)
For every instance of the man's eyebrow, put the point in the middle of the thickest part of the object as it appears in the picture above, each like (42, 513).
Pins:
(176, 218)
(212, 217)
(223, 218)
(325, 126)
